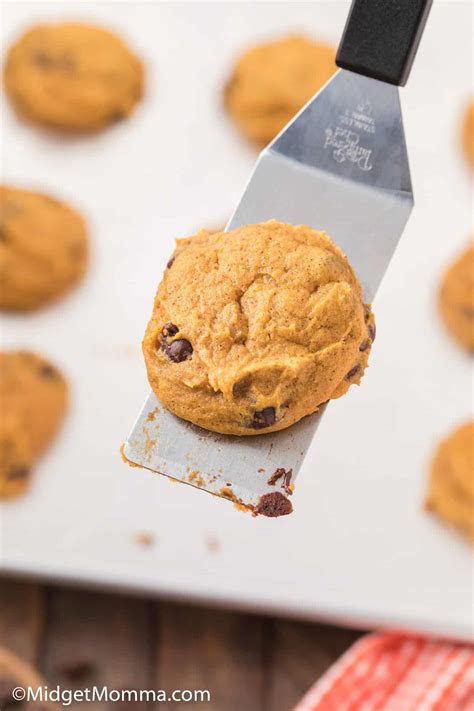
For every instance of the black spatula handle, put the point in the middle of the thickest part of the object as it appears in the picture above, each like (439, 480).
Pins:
(381, 38)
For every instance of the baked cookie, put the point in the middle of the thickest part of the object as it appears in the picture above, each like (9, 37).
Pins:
(33, 401)
(451, 486)
(456, 298)
(468, 133)
(270, 83)
(253, 329)
(43, 248)
(14, 672)
(72, 76)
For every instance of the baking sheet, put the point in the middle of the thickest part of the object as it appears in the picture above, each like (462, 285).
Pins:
(358, 548)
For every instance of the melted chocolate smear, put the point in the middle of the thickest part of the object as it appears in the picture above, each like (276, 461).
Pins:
(264, 418)
(281, 473)
(372, 331)
(170, 262)
(364, 345)
(273, 505)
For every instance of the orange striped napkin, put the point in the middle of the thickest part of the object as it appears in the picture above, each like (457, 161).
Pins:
(393, 672)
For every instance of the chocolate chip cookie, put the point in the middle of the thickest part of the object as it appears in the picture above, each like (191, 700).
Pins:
(14, 673)
(468, 133)
(271, 82)
(451, 486)
(43, 248)
(72, 76)
(255, 328)
(456, 298)
(33, 401)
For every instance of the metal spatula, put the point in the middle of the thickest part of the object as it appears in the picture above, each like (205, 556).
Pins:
(340, 166)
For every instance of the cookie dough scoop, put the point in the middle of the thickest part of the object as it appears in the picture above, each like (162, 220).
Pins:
(340, 166)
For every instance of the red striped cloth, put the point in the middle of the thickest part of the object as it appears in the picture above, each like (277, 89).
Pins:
(393, 672)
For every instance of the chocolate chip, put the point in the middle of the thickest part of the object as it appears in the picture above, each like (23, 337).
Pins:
(169, 330)
(48, 372)
(117, 116)
(273, 505)
(43, 60)
(46, 61)
(264, 418)
(17, 474)
(178, 350)
(372, 331)
(169, 263)
(353, 371)
(77, 251)
(364, 345)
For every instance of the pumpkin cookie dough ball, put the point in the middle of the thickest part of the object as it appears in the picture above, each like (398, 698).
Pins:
(255, 328)
(33, 401)
(72, 76)
(468, 133)
(456, 299)
(451, 487)
(43, 248)
(272, 82)
(14, 672)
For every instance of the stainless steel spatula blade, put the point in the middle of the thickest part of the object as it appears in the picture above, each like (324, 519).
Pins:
(340, 166)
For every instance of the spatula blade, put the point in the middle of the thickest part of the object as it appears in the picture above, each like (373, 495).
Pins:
(340, 166)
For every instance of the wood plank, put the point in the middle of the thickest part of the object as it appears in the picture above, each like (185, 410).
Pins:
(299, 653)
(21, 618)
(97, 639)
(213, 650)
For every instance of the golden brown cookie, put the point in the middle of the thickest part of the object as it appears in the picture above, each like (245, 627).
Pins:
(468, 133)
(33, 401)
(72, 76)
(456, 298)
(14, 673)
(271, 82)
(451, 487)
(253, 329)
(43, 248)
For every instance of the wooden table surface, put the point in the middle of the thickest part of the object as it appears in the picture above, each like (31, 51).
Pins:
(79, 638)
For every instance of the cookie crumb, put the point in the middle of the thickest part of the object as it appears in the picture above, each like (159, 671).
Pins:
(144, 539)
(124, 458)
(212, 544)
